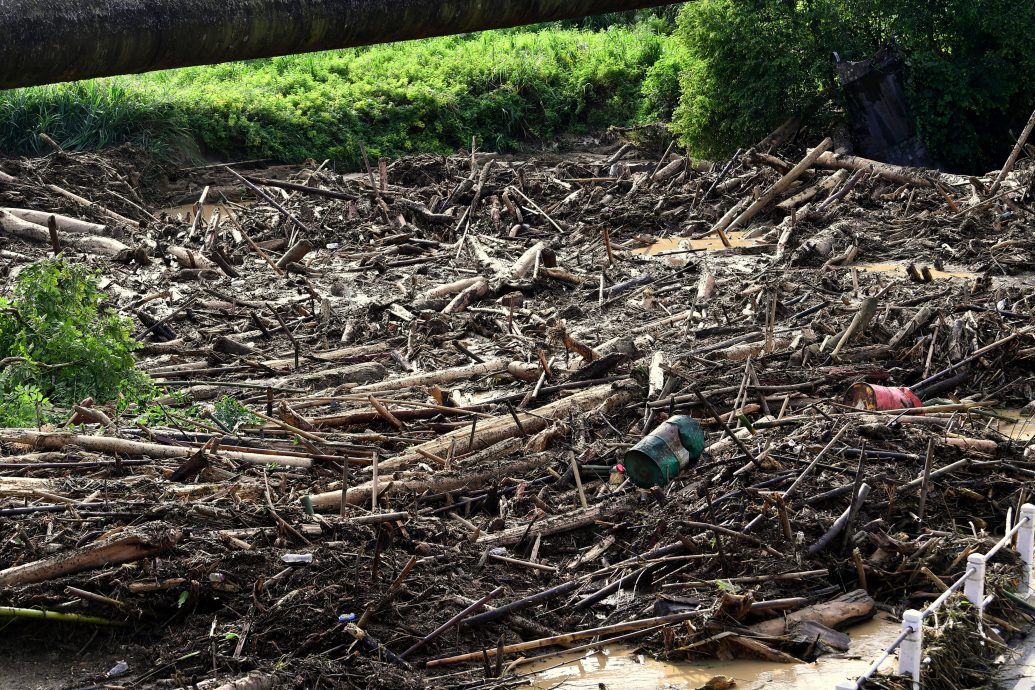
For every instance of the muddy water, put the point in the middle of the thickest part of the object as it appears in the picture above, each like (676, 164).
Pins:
(617, 667)
(676, 250)
(1013, 425)
(900, 269)
(187, 212)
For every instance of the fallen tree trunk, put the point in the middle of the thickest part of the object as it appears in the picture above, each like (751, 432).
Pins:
(47, 41)
(122, 548)
(103, 444)
(431, 378)
(896, 173)
(492, 431)
(850, 607)
(65, 223)
(360, 495)
(32, 232)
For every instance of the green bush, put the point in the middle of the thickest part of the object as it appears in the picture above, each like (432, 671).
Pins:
(60, 346)
(752, 63)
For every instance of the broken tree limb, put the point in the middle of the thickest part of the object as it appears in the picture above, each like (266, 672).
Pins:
(1018, 147)
(122, 548)
(916, 177)
(467, 297)
(296, 253)
(32, 232)
(526, 261)
(360, 495)
(561, 640)
(65, 223)
(433, 378)
(103, 444)
(848, 608)
(455, 620)
(86, 203)
(841, 522)
(779, 188)
(42, 614)
(827, 184)
(555, 524)
(253, 681)
(507, 426)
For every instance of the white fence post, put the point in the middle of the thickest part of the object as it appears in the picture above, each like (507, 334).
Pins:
(911, 652)
(1026, 546)
(974, 587)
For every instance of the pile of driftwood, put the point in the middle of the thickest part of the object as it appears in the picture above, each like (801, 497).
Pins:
(396, 405)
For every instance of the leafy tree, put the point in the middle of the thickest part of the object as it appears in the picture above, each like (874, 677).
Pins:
(59, 345)
(751, 63)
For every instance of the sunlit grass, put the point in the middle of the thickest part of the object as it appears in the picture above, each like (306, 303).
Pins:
(505, 87)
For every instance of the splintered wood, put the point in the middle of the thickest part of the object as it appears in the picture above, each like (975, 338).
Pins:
(394, 409)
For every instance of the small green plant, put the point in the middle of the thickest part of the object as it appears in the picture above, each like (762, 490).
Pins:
(26, 406)
(59, 346)
(230, 413)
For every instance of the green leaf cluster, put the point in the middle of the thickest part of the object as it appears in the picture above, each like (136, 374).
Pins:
(60, 345)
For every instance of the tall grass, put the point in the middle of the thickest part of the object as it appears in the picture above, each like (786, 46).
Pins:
(505, 87)
(91, 115)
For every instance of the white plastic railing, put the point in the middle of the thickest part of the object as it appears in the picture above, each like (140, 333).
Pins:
(910, 641)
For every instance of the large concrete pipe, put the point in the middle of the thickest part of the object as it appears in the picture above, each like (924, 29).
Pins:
(47, 41)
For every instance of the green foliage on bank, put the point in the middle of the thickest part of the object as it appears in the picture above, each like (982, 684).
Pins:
(725, 72)
(749, 64)
(59, 345)
(504, 87)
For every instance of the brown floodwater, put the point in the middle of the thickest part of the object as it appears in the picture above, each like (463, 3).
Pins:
(1014, 425)
(900, 269)
(620, 668)
(677, 250)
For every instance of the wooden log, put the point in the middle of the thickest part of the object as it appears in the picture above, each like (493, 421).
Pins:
(467, 297)
(301, 188)
(841, 522)
(919, 320)
(451, 288)
(916, 177)
(825, 185)
(433, 378)
(555, 524)
(507, 426)
(253, 681)
(561, 640)
(40, 440)
(65, 223)
(779, 188)
(188, 258)
(296, 253)
(360, 495)
(86, 203)
(121, 548)
(366, 373)
(846, 609)
(526, 261)
(32, 232)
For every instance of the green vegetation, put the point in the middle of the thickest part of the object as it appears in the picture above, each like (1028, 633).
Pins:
(58, 345)
(749, 64)
(730, 73)
(503, 86)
